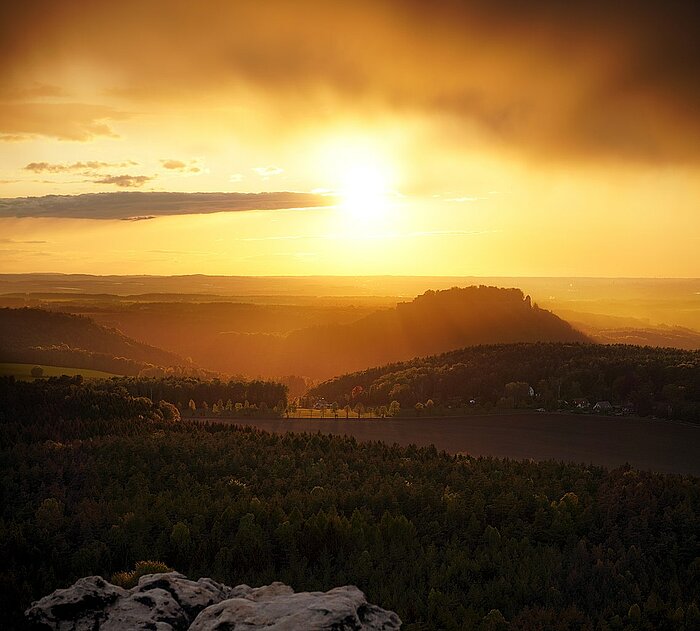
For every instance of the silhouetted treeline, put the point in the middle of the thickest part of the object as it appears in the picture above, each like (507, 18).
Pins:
(448, 542)
(28, 405)
(182, 390)
(645, 380)
(48, 409)
(63, 355)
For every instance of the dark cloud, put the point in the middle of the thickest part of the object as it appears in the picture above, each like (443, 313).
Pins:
(146, 205)
(124, 181)
(139, 218)
(566, 79)
(90, 165)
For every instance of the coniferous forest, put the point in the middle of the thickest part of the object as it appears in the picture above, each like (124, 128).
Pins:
(109, 479)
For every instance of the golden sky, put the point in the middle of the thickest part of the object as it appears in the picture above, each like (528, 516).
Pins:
(456, 138)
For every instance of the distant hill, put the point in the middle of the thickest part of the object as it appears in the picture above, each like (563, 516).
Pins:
(434, 322)
(610, 329)
(46, 337)
(276, 340)
(645, 380)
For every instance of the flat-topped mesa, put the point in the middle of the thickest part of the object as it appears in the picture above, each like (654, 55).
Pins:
(170, 601)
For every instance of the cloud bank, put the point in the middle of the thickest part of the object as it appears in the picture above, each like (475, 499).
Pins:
(147, 205)
(565, 79)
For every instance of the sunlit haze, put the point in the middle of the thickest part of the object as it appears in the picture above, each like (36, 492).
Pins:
(489, 139)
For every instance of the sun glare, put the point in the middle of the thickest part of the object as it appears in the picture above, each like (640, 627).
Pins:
(364, 192)
(363, 173)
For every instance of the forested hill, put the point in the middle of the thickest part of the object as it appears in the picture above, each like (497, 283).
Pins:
(40, 336)
(645, 380)
(434, 322)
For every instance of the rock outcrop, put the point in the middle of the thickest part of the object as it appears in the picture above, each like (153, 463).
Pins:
(165, 602)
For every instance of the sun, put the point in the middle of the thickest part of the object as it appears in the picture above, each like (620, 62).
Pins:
(361, 171)
(365, 191)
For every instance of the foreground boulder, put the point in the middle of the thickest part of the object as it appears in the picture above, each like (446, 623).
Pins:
(170, 601)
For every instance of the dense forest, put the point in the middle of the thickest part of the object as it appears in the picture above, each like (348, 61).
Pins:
(447, 542)
(60, 399)
(644, 380)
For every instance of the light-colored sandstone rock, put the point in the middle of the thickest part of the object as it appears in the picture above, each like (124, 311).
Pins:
(172, 602)
(340, 609)
(80, 607)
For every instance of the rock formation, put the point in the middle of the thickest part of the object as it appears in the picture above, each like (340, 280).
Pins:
(164, 602)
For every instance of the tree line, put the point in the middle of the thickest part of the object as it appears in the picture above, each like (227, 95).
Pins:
(649, 381)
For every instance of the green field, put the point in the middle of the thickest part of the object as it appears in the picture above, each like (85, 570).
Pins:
(24, 371)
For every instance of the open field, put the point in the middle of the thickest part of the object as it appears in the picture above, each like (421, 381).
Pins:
(23, 371)
(663, 446)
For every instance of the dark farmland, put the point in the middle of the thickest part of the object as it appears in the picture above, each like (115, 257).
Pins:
(663, 446)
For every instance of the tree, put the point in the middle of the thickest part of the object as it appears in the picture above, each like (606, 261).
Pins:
(193, 407)
(494, 621)
(419, 408)
(429, 405)
(394, 408)
(635, 614)
(356, 392)
(180, 538)
(37, 371)
(169, 411)
(334, 407)
(519, 391)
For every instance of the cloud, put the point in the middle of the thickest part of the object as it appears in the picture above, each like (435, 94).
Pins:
(91, 165)
(178, 165)
(5, 240)
(64, 121)
(266, 172)
(235, 177)
(125, 181)
(553, 80)
(139, 218)
(192, 166)
(146, 205)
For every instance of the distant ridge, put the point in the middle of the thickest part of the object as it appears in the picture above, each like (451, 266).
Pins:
(47, 337)
(435, 322)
